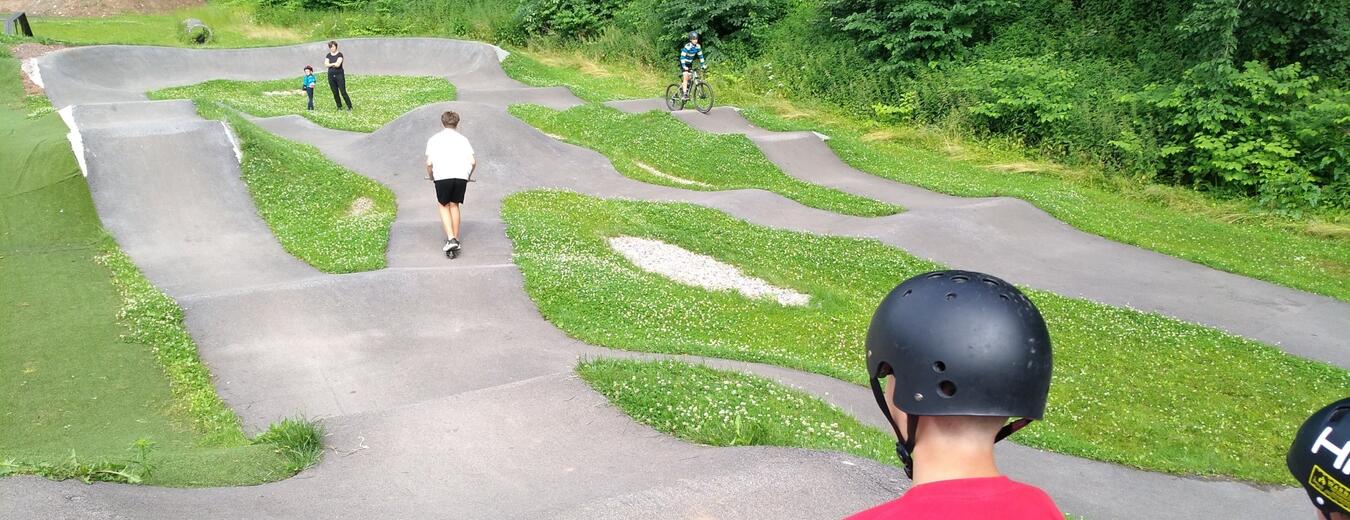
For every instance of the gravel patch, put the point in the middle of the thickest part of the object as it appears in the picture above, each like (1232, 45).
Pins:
(668, 176)
(691, 268)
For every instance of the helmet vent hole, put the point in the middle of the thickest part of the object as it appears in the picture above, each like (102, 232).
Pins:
(1003, 296)
(991, 282)
(946, 389)
(960, 279)
(907, 291)
(939, 367)
(951, 296)
(934, 275)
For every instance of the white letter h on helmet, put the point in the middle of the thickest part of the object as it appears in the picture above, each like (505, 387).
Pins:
(1342, 452)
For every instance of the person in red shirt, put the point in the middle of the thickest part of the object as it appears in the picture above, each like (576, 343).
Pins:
(961, 353)
(1319, 458)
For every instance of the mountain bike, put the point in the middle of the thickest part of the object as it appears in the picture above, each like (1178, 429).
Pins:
(700, 93)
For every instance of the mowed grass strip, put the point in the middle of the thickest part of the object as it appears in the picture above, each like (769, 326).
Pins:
(1129, 387)
(724, 408)
(639, 143)
(328, 216)
(1169, 220)
(100, 378)
(1226, 235)
(376, 100)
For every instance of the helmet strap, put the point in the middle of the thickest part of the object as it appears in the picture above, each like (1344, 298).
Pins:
(904, 443)
(1012, 428)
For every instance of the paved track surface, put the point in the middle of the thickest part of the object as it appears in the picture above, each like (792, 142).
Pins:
(444, 391)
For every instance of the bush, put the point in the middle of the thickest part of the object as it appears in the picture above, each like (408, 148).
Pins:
(914, 31)
(566, 18)
(739, 24)
(1258, 131)
(1027, 97)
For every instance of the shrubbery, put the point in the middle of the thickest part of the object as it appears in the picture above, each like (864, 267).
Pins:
(922, 31)
(1240, 97)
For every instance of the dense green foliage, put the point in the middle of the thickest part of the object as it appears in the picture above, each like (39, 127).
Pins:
(1161, 91)
(566, 18)
(1215, 404)
(723, 408)
(919, 31)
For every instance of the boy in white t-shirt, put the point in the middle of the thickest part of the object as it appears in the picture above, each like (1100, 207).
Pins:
(450, 164)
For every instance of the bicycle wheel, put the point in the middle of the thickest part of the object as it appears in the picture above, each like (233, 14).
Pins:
(674, 101)
(703, 97)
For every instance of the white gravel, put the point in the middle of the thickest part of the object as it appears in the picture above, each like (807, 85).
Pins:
(663, 175)
(691, 268)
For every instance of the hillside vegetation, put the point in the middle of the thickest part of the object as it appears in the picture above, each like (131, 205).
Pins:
(1240, 99)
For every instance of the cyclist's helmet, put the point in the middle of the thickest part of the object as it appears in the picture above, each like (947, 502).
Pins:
(693, 35)
(958, 343)
(1319, 458)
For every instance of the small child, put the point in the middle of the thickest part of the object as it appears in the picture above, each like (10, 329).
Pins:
(308, 85)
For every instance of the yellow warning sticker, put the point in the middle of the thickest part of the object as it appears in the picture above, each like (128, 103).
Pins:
(1323, 483)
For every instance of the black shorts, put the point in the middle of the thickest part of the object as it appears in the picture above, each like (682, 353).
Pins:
(451, 190)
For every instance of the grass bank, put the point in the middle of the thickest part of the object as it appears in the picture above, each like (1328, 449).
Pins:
(1129, 387)
(101, 380)
(655, 147)
(1310, 254)
(231, 26)
(376, 100)
(328, 216)
(724, 408)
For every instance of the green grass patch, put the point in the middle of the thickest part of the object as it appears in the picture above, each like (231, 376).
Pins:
(1129, 387)
(586, 79)
(231, 26)
(1310, 254)
(376, 100)
(328, 216)
(1167, 220)
(100, 378)
(637, 144)
(723, 408)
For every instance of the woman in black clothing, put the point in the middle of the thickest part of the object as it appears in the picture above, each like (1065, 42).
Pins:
(337, 79)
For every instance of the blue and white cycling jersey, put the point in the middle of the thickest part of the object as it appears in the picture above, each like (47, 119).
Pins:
(688, 53)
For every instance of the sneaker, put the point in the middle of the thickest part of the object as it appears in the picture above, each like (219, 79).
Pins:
(452, 244)
(447, 247)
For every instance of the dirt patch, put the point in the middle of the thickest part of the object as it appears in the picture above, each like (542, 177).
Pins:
(1017, 167)
(93, 7)
(27, 51)
(880, 135)
(361, 206)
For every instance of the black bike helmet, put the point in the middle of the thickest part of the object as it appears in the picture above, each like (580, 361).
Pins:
(1319, 458)
(693, 35)
(959, 343)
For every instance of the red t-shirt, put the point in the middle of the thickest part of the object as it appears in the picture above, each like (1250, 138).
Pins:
(968, 499)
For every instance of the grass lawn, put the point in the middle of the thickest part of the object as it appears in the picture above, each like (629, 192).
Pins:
(376, 100)
(101, 380)
(637, 144)
(231, 27)
(725, 408)
(1129, 387)
(1311, 254)
(328, 216)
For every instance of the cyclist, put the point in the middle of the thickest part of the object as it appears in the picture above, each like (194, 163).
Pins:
(687, 55)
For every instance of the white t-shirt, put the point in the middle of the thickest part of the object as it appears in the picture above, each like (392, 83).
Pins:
(449, 155)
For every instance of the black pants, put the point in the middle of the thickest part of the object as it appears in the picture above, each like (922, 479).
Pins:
(338, 84)
(309, 91)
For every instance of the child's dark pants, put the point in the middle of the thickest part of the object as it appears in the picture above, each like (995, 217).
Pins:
(309, 91)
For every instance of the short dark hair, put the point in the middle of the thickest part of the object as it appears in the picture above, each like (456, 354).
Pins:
(450, 119)
(309, 68)
(332, 44)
